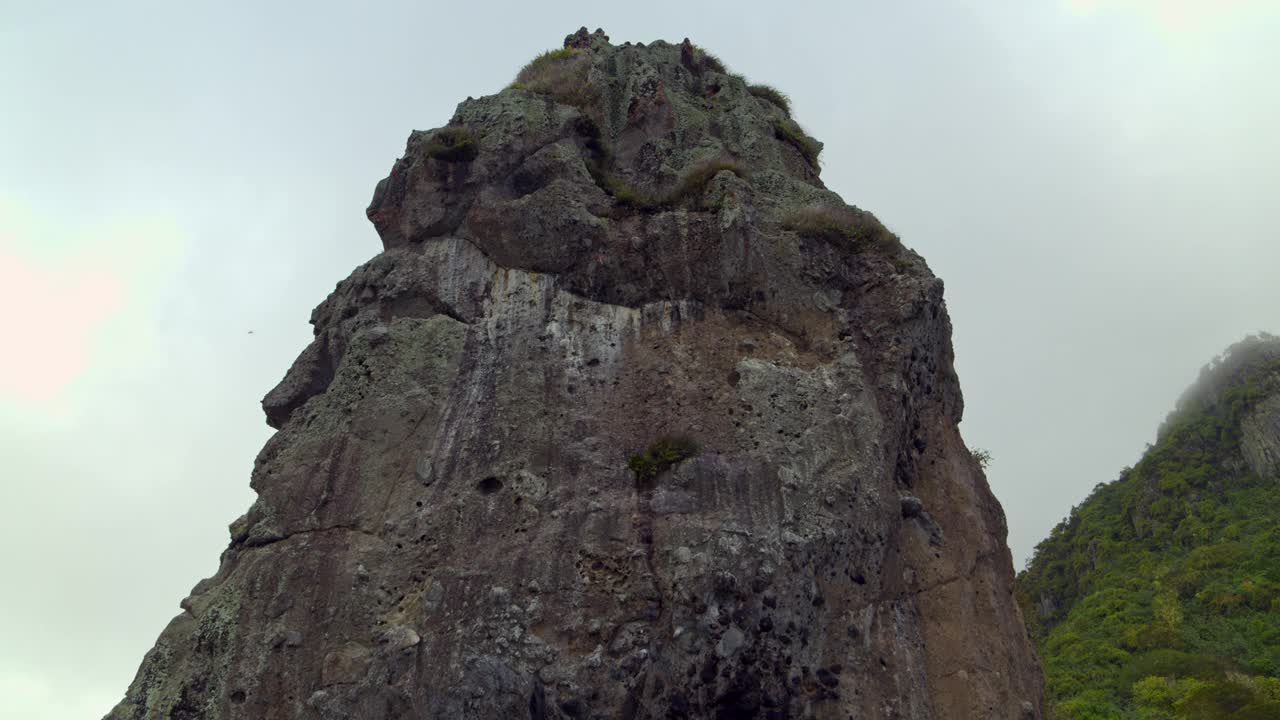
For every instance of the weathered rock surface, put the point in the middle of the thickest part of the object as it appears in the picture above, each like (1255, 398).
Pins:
(1260, 438)
(447, 526)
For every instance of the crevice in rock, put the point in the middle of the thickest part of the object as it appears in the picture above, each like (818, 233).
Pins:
(316, 531)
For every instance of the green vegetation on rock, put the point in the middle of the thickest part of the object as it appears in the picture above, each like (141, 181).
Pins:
(699, 174)
(663, 454)
(697, 59)
(548, 57)
(836, 224)
(791, 132)
(773, 95)
(560, 74)
(1159, 595)
(453, 144)
(711, 62)
(983, 457)
(688, 189)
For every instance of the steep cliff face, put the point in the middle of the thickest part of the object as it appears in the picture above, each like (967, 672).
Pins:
(1159, 596)
(467, 513)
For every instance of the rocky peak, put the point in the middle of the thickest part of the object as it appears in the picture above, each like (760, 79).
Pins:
(630, 129)
(630, 418)
(599, 141)
(584, 40)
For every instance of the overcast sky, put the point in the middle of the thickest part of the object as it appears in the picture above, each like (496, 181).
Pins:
(1096, 181)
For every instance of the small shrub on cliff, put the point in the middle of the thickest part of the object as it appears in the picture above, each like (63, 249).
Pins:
(453, 144)
(773, 95)
(789, 131)
(982, 456)
(696, 177)
(842, 224)
(560, 74)
(663, 454)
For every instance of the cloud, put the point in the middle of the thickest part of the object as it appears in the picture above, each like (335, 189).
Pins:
(63, 286)
(57, 310)
(1182, 17)
(31, 696)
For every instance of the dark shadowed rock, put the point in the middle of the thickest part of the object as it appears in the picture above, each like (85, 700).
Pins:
(627, 245)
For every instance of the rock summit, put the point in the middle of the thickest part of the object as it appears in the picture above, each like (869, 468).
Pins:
(632, 417)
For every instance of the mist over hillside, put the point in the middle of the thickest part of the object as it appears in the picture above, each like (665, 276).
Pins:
(1159, 595)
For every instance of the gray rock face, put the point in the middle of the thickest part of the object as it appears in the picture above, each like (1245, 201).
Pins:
(1260, 438)
(447, 526)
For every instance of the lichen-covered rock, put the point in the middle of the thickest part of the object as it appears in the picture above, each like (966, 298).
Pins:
(447, 526)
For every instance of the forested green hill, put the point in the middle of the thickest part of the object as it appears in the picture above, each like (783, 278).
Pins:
(1159, 595)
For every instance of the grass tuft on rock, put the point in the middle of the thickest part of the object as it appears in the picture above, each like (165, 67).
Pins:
(836, 224)
(697, 60)
(453, 144)
(662, 455)
(711, 62)
(545, 60)
(695, 178)
(560, 74)
(772, 95)
(789, 131)
(628, 195)
(690, 186)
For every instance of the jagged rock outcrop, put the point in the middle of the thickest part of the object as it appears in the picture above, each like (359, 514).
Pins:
(626, 245)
